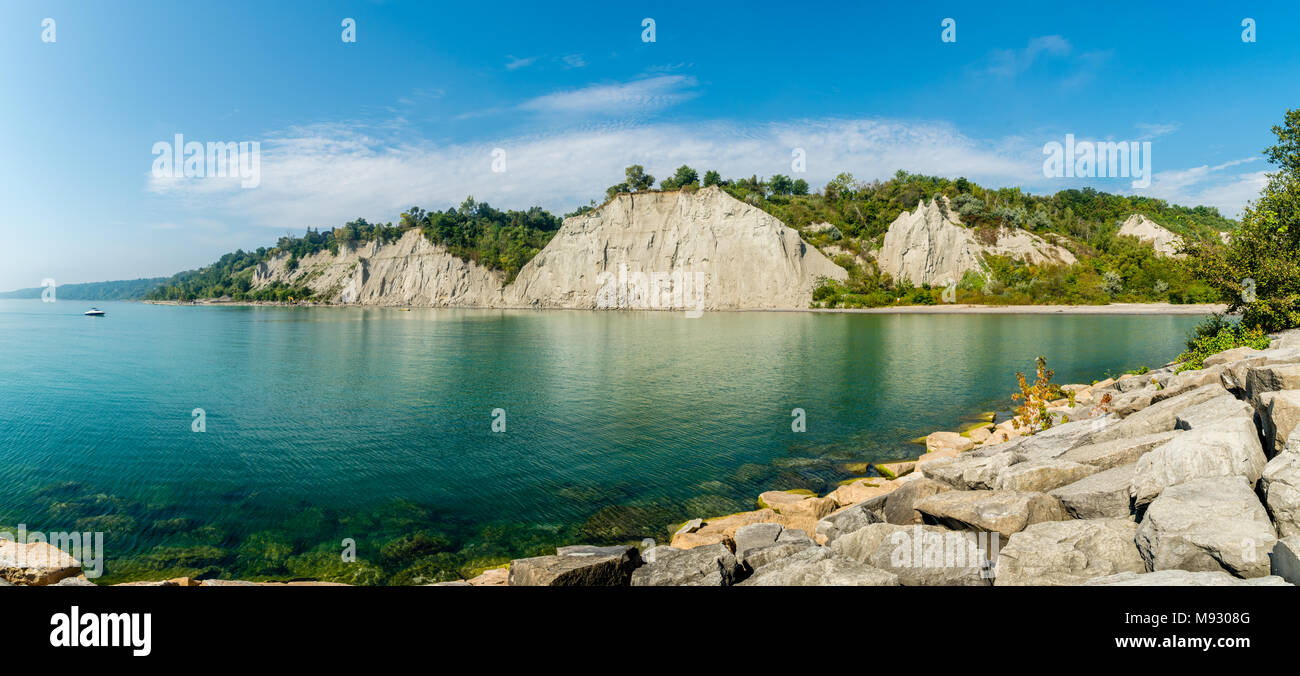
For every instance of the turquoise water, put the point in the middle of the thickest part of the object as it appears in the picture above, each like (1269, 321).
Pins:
(376, 424)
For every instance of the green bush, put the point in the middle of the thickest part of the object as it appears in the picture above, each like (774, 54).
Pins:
(1216, 335)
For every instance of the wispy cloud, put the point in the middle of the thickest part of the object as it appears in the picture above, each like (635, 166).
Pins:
(1210, 185)
(1151, 130)
(637, 96)
(1008, 63)
(325, 175)
(1073, 68)
(515, 63)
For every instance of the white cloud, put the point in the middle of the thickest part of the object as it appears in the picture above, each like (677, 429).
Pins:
(1210, 186)
(324, 176)
(515, 63)
(1151, 130)
(1011, 62)
(637, 96)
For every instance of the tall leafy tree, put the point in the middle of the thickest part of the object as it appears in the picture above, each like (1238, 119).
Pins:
(1258, 271)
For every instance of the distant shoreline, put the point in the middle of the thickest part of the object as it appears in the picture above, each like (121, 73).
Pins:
(1111, 309)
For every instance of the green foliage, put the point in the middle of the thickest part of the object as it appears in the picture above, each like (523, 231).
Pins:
(684, 177)
(712, 177)
(1032, 415)
(498, 240)
(475, 231)
(1258, 271)
(1215, 335)
(129, 289)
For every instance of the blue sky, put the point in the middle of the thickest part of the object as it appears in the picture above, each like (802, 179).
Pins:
(410, 113)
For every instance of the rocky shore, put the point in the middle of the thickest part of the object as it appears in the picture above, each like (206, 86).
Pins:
(1163, 478)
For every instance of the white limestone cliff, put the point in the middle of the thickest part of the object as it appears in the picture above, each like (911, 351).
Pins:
(700, 250)
(931, 246)
(1165, 242)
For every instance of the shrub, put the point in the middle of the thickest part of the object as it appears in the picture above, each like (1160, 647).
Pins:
(1216, 335)
(1032, 415)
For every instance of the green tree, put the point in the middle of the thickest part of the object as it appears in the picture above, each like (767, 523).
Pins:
(780, 184)
(637, 179)
(712, 177)
(799, 187)
(1258, 272)
(685, 176)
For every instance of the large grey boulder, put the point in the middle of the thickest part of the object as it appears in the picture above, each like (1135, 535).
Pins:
(577, 566)
(920, 555)
(1190, 380)
(1279, 416)
(1211, 524)
(1002, 512)
(1271, 378)
(1280, 486)
(1183, 578)
(1069, 552)
(1102, 495)
(1129, 403)
(35, 563)
(819, 567)
(970, 472)
(900, 508)
(1284, 560)
(754, 536)
(1228, 448)
(1056, 441)
(1212, 412)
(1155, 418)
(1111, 454)
(705, 566)
(1229, 356)
(851, 518)
(791, 541)
(1041, 475)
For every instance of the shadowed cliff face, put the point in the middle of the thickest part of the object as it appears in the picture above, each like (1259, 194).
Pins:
(931, 246)
(654, 251)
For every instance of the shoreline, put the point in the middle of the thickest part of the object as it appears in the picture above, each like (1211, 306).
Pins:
(1111, 309)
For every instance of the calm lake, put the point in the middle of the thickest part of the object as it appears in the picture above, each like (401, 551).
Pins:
(378, 425)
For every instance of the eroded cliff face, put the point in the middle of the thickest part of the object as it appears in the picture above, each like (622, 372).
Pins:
(931, 246)
(410, 271)
(700, 250)
(655, 251)
(1165, 242)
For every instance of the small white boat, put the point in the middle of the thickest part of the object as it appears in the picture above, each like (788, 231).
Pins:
(94, 312)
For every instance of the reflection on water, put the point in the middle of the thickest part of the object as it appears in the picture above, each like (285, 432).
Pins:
(376, 425)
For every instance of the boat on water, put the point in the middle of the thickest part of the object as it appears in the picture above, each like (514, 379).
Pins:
(94, 312)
